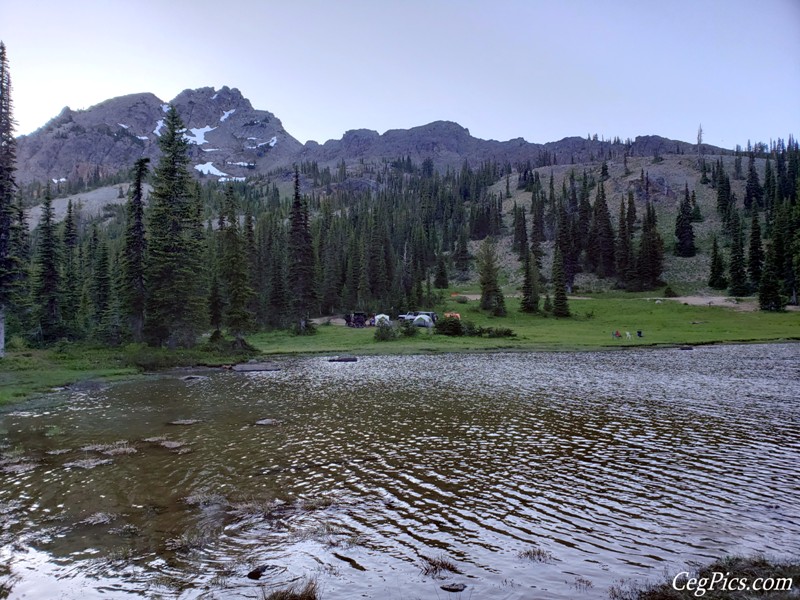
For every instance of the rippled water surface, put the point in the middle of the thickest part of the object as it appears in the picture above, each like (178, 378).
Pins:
(541, 475)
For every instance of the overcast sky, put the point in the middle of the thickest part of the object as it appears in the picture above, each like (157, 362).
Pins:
(541, 70)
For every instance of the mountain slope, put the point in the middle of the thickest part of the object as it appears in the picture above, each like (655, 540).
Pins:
(231, 139)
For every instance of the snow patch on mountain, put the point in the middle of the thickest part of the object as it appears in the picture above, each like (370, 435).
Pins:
(198, 135)
(123, 125)
(159, 125)
(209, 169)
(226, 114)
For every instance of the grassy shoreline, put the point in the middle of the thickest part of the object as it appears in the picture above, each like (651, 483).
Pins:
(26, 372)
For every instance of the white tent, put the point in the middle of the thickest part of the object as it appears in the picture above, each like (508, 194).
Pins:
(382, 318)
(423, 321)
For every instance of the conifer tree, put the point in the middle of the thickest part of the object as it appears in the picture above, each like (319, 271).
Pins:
(440, 281)
(461, 256)
(530, 285)
(234, 272)
(488, 272)
(755, 255)
(175, 274)
(560, 304)
(624, 251)
(754, 193)
(101, 286)
(47, 287)
(650, 258)
(133, 285)
(300, 256)
(600, 249)
(769, 289)
(737, 275)
(684, 232)
(717, 279)
(10, 264)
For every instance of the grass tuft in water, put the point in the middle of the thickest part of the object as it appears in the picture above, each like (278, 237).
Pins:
(434, 567)
(536, 555)
(783, 576)
(308, 591)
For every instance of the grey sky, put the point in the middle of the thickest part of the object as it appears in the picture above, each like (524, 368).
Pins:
(542, 70)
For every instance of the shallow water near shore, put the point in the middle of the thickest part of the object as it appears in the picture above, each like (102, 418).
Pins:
(537, 475)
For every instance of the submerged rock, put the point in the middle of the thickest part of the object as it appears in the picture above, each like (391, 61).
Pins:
(453, 587)
(257, 572)
(184, 422)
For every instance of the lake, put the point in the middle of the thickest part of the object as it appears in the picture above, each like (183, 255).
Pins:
(535, 475)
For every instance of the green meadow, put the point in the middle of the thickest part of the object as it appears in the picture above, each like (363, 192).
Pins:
(25, 372)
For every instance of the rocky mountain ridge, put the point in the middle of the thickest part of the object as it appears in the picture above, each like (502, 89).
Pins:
(229, 139)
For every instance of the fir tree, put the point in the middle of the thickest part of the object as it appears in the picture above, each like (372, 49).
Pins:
(461, 256)
(133, 285)
(755, 255)
(560, 305)
(10, 263)
(47, 287)
(600, 249)
(488, 273)
(234, 273)
(176, 302)
(754, 193)
(101, 286)
(440, 281)
(300, 256)
(684, 232)
(737, 274)
(717, 279)
(530, 285)
(769, 289)
(216, 304)
(650, 258)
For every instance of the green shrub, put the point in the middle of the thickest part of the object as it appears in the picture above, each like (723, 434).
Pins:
(460, 299)
(499, 332)
(385, 333)
(449, 326)
(669, 292)
(408, 329)
(304, 327)
(470, 329)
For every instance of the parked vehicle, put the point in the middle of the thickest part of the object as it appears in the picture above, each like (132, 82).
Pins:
(410, 316)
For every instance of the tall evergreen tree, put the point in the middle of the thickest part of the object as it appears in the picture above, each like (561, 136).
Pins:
(600, 250)
(716, 278)
(530, 285)
(560, 304)
(769, 289)
(440, 280)
(301, 256)
(755, 255)
(133, 290)
(684, 232)
(737, 275)
(754, 193)
(488, 273)
(175, 274)
(650, 258)
(10, 263)
(234, 272)
(47, 287)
